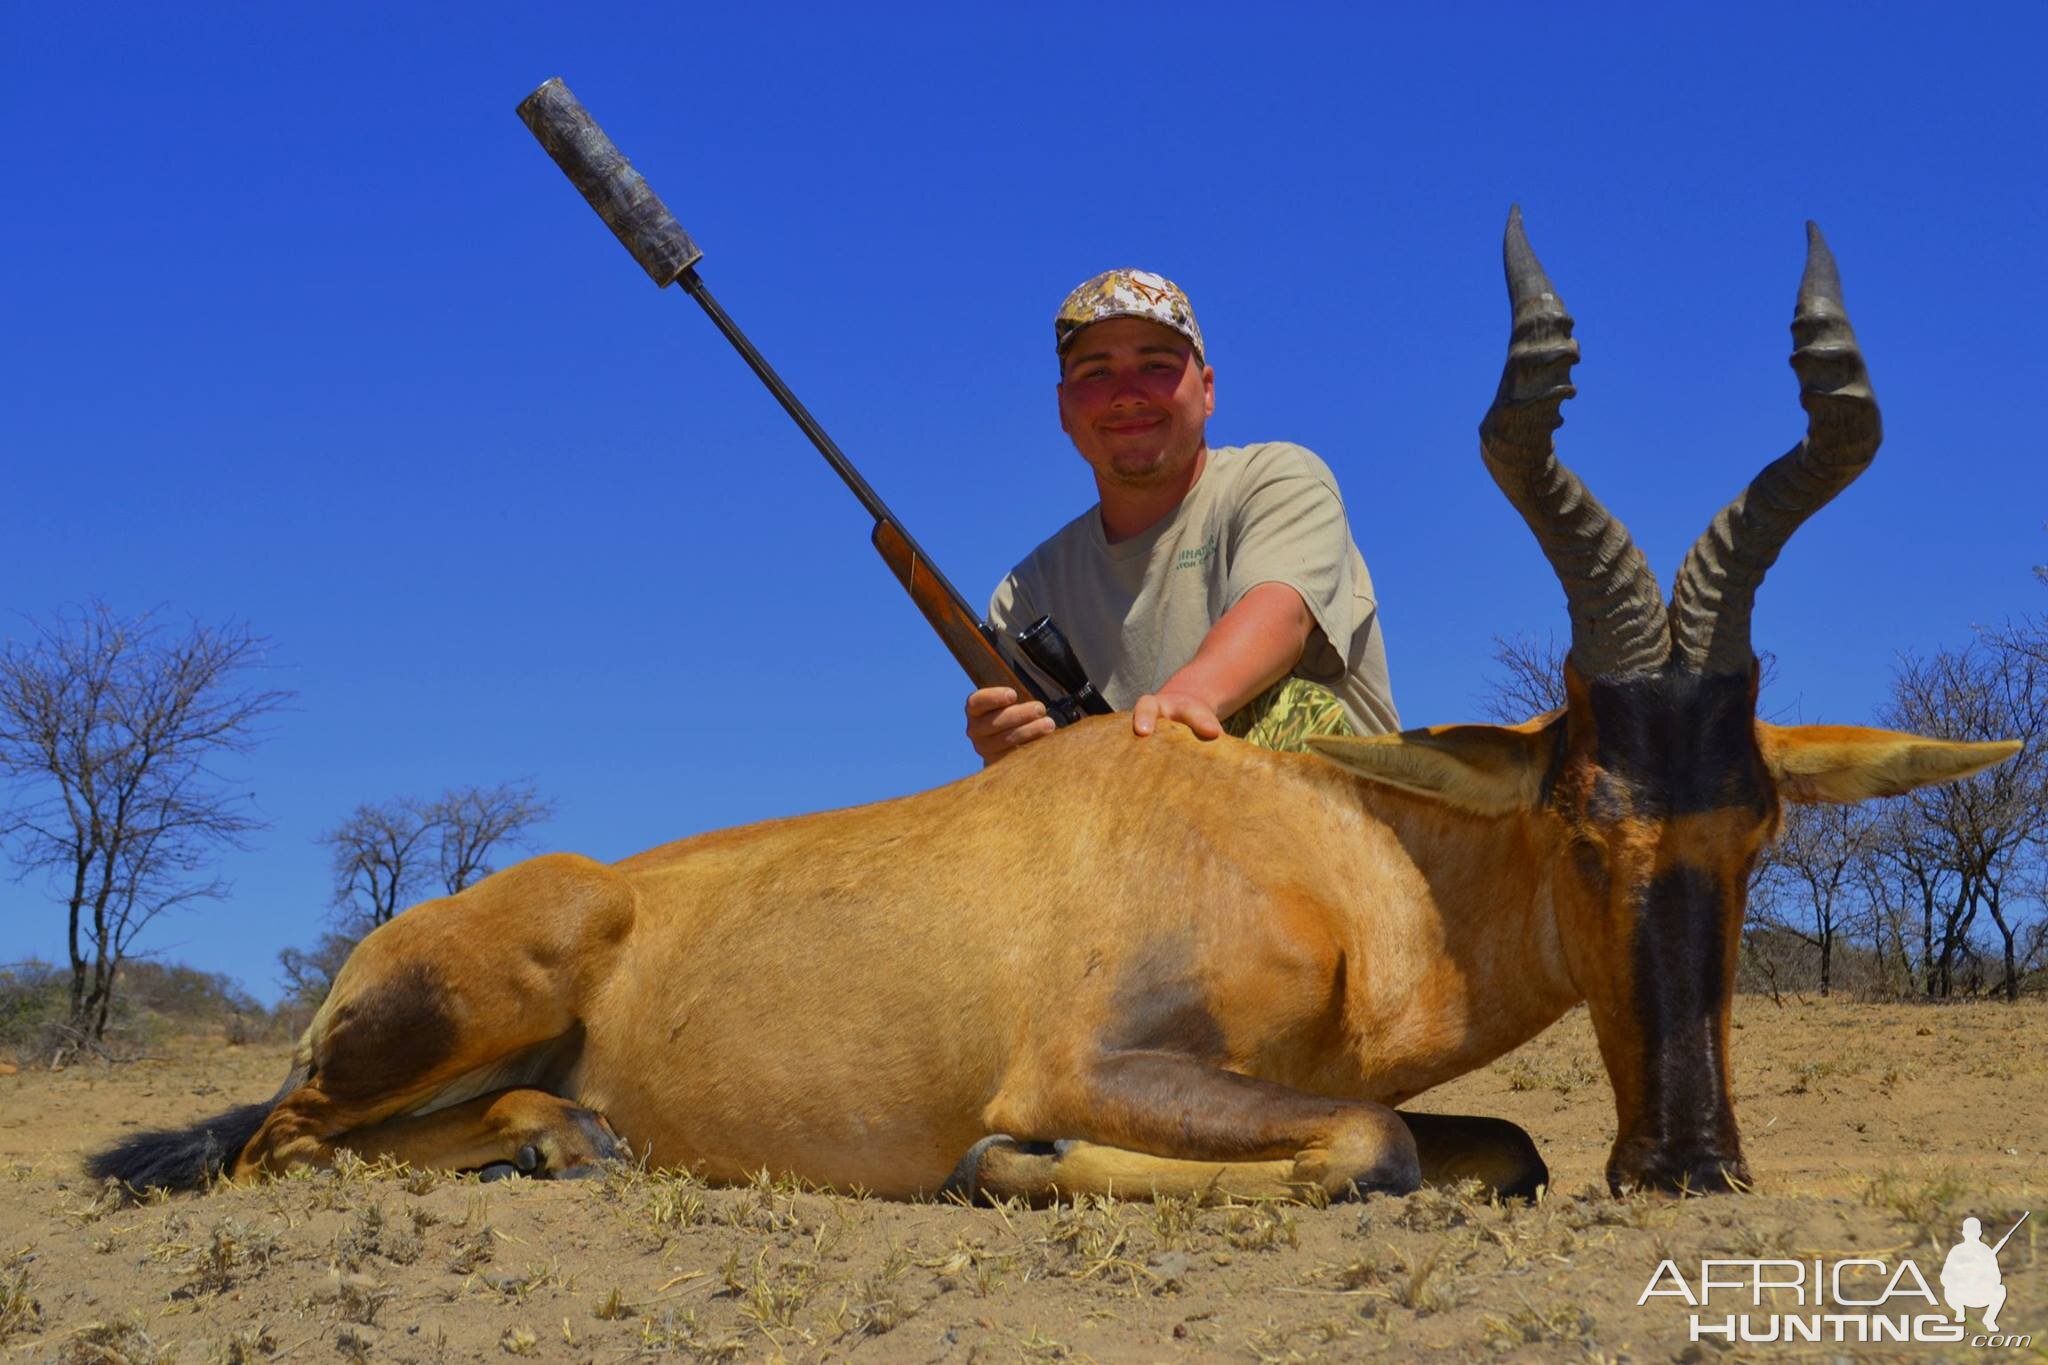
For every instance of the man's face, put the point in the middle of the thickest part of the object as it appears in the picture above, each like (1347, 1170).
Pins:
(1134, 400)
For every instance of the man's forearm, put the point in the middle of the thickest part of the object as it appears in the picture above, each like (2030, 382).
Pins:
(1249, 649)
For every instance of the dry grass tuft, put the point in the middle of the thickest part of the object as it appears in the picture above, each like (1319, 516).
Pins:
(20, 1310)
(1261, 1227)
(659, 1201)
(971, 1265)
(1926, 1201)
(230, 1248)
(372, 1234)
(246, 1347)
(876, 1307)
(359, 1297)
(1562, 1323)
(122, 1342)
(1175, 1220)
(1418, 1287)
(1285, 1343)
(1437, 1209)
(770, 1293)
(677, 1331)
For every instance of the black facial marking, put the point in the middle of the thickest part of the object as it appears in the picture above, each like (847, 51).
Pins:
(1681, 743)
(1681, 994)
(387, 1038)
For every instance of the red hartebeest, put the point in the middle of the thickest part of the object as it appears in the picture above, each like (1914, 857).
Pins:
(1157, 964)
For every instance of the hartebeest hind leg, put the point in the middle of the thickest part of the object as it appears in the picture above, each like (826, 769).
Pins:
(1168, 1125)
(1171, 1126)
(1452, 1148)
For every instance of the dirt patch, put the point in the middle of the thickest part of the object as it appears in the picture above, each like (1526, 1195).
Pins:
(1872, 1131)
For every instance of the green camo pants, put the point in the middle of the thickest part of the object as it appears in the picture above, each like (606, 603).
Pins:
(1286, 714)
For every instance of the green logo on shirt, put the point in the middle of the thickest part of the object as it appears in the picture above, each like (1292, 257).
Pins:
(1195, 558)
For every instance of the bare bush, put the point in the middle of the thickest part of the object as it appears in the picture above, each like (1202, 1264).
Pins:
(110, 730)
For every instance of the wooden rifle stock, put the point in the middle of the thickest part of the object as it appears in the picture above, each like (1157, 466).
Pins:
(958, 628)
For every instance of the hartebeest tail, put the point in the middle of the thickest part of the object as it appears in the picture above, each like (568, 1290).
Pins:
(1157, 965)
(189, 1158)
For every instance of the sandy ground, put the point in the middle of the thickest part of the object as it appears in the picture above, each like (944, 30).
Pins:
(1872, 1131)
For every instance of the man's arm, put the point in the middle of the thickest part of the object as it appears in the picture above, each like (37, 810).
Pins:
(1289, 575)
(1251, 647)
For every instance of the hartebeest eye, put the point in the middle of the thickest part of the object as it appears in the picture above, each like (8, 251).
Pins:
(1588, 860)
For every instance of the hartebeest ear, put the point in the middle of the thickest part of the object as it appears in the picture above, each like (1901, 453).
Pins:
(1484, 769)
(1844, 763)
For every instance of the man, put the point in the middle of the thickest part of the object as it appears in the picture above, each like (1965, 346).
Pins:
(1217, 588)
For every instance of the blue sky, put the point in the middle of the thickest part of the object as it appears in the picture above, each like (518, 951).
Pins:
(305, 330)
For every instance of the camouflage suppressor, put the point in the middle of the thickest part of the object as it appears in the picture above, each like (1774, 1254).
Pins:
(643, 224)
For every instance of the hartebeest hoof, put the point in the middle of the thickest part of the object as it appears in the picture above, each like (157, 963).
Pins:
(526, 1161)
(563, 1141)
(1000, 1167)
(1678, 1172)
(1498, 1154)
(580, 1154)
(1395, 1173)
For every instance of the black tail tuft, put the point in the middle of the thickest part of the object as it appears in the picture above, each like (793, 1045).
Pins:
(180, 1158)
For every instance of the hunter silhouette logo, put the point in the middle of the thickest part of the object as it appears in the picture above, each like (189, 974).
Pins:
(1969, 1277)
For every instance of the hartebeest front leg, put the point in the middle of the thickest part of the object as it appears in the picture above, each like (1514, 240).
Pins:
(1155, 1123)
(530, 1132)
(483, 989)
(515, 1130)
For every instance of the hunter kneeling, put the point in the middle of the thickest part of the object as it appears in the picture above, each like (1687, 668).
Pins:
(1217, 588)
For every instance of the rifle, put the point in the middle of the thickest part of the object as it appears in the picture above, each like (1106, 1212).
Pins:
(657, 241)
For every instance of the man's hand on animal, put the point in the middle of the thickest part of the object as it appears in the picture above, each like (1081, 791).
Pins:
(998, 723)
(1252, 647)
(1191, 711)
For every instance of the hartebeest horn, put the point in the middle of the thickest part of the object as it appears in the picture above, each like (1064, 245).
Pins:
(1716, 586)
(1617, 609)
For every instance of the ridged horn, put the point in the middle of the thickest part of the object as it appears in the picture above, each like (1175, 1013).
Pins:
(1617, 609)
(1715, 591)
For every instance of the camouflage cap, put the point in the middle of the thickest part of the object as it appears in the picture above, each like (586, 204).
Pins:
(1127, 294)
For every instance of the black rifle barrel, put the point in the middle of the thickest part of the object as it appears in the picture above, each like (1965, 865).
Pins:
(801, 415)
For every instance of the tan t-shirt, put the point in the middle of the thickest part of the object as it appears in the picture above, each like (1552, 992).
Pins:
(1136, 611)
